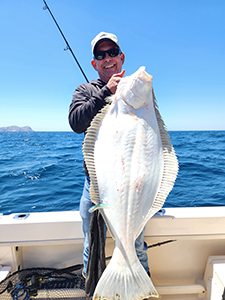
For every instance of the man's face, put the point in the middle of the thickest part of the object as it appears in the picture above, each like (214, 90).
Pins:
(109, 65)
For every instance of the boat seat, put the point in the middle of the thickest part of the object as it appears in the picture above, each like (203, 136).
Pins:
(4, 272)
(180, 289)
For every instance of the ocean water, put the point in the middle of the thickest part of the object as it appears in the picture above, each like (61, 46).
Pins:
(42, 171)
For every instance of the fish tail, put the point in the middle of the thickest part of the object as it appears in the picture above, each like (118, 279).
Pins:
(127, 284)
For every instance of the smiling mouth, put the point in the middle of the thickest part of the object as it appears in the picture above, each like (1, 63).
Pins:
(109, 66)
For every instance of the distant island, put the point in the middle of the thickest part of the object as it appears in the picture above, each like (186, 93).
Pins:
(16, 128)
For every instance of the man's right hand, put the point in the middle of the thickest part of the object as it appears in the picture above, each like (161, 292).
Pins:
(114, 81)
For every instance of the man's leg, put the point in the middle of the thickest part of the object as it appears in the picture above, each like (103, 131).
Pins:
(141, 250)
(85, 204)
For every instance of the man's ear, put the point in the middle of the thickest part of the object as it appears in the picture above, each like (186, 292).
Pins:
(122, 57)
(94, 64)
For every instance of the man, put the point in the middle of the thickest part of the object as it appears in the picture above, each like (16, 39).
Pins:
(87, 101)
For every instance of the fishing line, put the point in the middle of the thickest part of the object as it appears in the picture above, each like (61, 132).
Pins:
(67, 44)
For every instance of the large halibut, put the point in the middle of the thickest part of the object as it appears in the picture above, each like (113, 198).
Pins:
(132, 167)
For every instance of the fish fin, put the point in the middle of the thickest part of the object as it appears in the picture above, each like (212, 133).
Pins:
(98, 206)
(171, 167)
(123, 284)
(110, 99)
(88, 152)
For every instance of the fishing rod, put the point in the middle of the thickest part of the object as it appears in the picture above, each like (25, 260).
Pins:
(67, 44)
(151, 246)
(162, 243)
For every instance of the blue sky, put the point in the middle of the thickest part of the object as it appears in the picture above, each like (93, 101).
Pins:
(180, 42)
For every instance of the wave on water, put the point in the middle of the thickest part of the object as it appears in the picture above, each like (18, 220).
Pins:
(40, 171)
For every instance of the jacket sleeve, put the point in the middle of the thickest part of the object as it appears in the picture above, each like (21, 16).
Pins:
(86, 103)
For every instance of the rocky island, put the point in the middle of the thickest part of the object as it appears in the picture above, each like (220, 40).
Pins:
(16, 129)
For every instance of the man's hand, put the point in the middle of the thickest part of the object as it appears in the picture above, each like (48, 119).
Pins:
(114, 81)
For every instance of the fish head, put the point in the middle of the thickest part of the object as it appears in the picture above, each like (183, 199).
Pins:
(136, 90)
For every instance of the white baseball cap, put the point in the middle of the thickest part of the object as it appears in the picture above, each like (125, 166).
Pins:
(104, 36)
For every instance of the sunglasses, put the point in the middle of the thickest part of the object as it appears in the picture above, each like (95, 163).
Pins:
(112, 52)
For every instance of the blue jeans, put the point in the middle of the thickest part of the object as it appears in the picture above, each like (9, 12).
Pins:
(85, 203)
